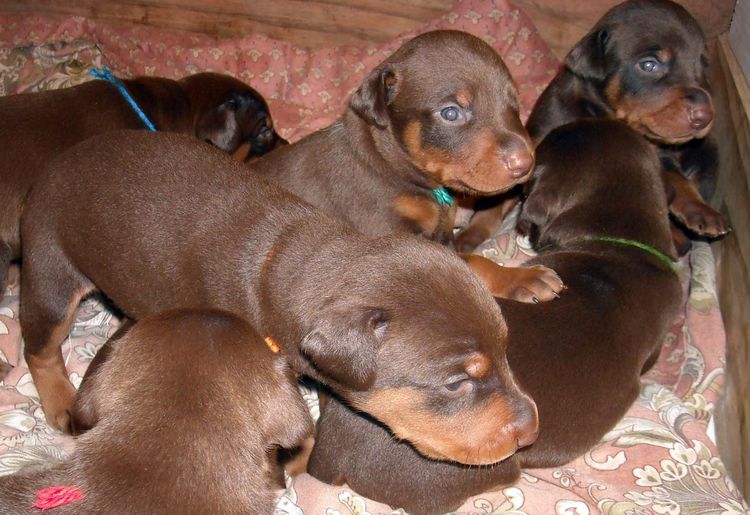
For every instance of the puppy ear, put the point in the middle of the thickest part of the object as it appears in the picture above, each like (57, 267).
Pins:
(586, 59)
(534, 209)
(345, 349)
(223, 125)
(371, 99)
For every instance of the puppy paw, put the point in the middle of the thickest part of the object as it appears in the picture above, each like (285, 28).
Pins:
(59, 406)
(703, 220)
(533, 284)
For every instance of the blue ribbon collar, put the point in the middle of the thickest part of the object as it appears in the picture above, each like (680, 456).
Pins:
(104, 73)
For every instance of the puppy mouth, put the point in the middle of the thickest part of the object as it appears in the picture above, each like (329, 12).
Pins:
(463, 187)
(655, 136)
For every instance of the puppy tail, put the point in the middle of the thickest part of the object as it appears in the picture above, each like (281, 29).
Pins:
(31, 490)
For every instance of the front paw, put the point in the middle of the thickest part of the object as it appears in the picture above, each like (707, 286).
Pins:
(703, 220)
(533, 284)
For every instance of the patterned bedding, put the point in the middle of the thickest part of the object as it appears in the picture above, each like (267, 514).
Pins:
(659, 459)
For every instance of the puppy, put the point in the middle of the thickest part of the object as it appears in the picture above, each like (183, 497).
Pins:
(442, 111)
(189, 406)
(595, 180)
(644, 62)
(38, 126)
(175, 223)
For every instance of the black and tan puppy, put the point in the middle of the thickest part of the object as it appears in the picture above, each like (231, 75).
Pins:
(644, 62)
(442, 111)
(392, 324)
(598, 215)
(39, 126)
(190, 405)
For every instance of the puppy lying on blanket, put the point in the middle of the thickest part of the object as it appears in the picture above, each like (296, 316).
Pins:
(442, 111)
(598, 215)
(39, 126)
(190, 405)
(644, 63)
(169, 223)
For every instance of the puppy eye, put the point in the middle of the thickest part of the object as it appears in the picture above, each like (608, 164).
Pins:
(649, 65)
(451, 114)
(460, 386)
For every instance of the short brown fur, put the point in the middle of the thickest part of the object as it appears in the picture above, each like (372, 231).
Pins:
(39, 126)
(612, 318)
(188, 408)
(196, 229)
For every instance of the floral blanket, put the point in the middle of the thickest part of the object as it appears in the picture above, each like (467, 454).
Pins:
(658, 459)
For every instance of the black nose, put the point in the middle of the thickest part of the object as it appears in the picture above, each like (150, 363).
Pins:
(700, 111)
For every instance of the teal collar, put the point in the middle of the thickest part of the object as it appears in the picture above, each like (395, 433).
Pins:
(637, 244)
(442, 196)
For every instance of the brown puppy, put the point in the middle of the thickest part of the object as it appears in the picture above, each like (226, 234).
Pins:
(644, 63)
(442, 111)
(39, 126)
(190, 405)
(594, 180)
(172, 223)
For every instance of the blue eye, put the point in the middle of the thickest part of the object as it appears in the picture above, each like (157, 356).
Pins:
(450, 114)
(649, 65)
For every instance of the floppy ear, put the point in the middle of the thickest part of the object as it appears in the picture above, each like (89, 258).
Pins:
(586, 59)
(344, 347)
(371, 99)
(223, 125)
(534, 209)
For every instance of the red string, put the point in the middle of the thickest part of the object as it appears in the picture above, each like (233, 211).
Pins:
(56, 496)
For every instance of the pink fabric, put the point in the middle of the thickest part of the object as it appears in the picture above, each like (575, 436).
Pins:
(307, 89)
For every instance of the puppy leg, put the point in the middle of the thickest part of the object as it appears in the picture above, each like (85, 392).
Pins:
(484, 224)
(523, 284)
(48, 308)
(689, 208)
(84, 414)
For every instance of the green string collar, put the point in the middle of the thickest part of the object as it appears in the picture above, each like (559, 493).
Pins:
(638, 245)
(442, 196)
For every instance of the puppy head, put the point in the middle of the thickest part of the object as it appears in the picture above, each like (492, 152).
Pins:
(184, 364)
(647, 60)
(447, 100)
(422, 350)
(596, 178)
(230, 115)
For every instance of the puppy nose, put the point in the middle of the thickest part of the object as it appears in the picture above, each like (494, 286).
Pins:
(700, 117)
(519, 162)
(526, 424)
(700, 111)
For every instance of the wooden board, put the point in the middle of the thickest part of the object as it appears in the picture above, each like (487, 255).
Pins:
(563, 22)
(732, 96)
(319, 23)
(303, 22)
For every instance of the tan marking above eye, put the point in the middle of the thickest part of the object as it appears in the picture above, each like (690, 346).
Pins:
(464, 98)
(664, 55)
(478, 365)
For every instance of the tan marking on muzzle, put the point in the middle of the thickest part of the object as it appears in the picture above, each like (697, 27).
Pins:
(481, 435)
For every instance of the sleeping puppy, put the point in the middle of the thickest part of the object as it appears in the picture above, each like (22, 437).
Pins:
(442, 111)
(39, 126)
(170, 223)
(643, 63)
(190, 406)
(597, 214)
